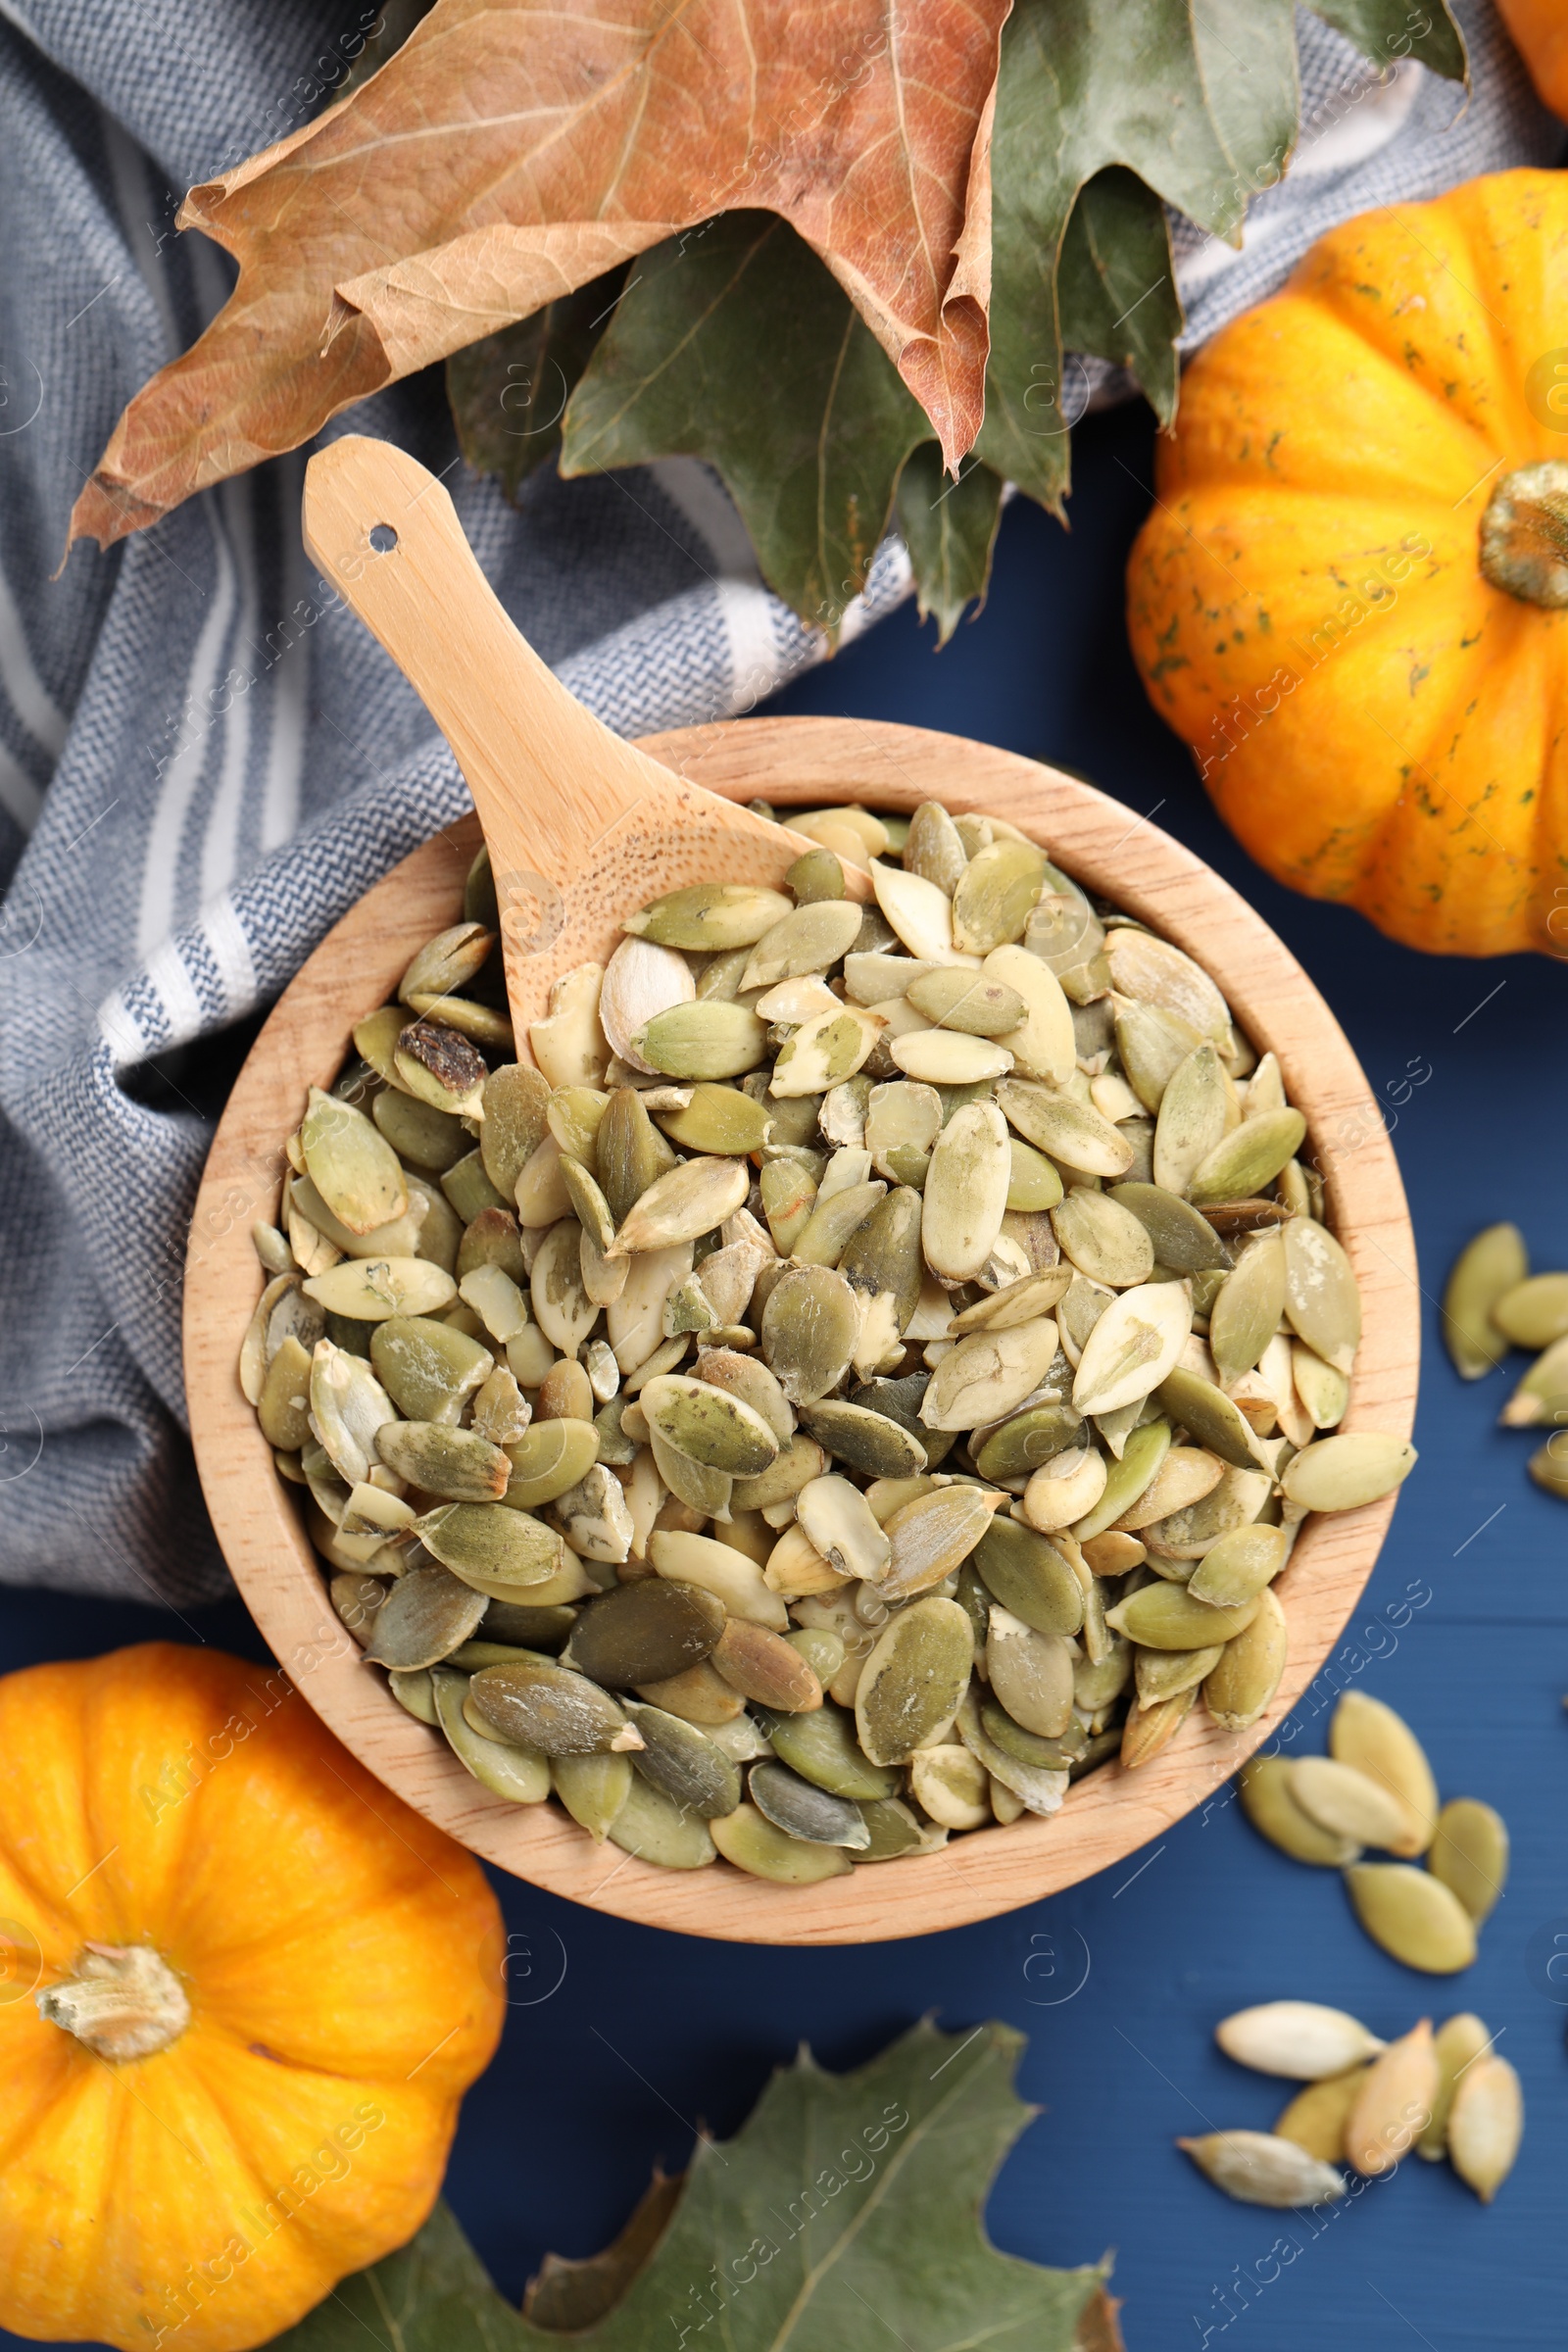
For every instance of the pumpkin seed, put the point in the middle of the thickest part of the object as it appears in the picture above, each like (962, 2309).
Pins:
(1394, 2102)
(955, 999)
(1186, 1474)
(821, 1746)
(1486, 1271)
(914, 1680)
(709, 1425)
(456, 1463)
(995, 894)
(654, 1828)
(283, 1406)
(1161, 1674)
(1236, 1500)
(1531, 1312)
(1486, 2123)
(1165, 1616)
(1030, 1577)
(808, 939)
(743, 1377)
(867, 1441)
(950, 1786)
(930, 1536)
(933, 848)
(708, 1039)
(685, 1203)
(1342, 1473)
(1033, 1293)
(1321, 1297)
(709, 915)
(834, 1219)
(439, 1064)
(964, 1201)
(593, 1789)
(352, 1165)
(838, 1523)
(1210, 1417)
(1038, 1787)
(1191, 1119)
(1316, 2117)
(1457, 2043)
(1070, 1132)
(367, 1290)
(528, 1626)
(753, 1843)
(801, 1459)
(1126, 1479)
(764, 1666)
(1240, 1688)
(1106, 1242)
(348, 1407)
(1469, 1854)
(1412, 1915)
(488, 1544)
(1149, 1730)
(550, 1458)
(718, 1569)
(426, 1615)
(802, 1810)
(1031, 1674)
(698, 1695)
(1264, 1784)
(918, 913)
(1300, 2039)
(1151, 1044)
(1346, 1803)
(824, 1050)
(682, 1761)
(1184, 1241)
(536, 1703)
(1256, 2167)
(1241, 1163)
(416, 1694)
(1541, 1396)
(718, 1119)
(1133, 1348)
(1236, 1569)
(816, 876)
(808, 1332)
(987, 1375)
(1246, 1313)
(506, 1768)
(1064, 1489)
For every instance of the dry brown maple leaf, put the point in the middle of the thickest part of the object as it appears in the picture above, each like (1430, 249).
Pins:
(510, 152)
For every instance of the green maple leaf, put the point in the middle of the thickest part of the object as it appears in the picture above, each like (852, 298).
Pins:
(508, 391)
(949, 528)
(847, 2207)
(734, 343)
(1199, 108)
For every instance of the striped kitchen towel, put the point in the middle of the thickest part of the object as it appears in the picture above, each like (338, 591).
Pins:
(203, 761)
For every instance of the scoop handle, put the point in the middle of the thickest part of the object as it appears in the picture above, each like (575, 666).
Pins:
(548, 780)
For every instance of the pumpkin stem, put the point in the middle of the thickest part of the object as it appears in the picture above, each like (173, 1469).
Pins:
(1523, 535)
(125, 2001)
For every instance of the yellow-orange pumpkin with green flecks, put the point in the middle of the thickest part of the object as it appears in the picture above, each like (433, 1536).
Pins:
(242, 1989)
(1540, 30)
(1352, 595)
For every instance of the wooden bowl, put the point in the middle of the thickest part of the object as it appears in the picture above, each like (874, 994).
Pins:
(1109, 1814)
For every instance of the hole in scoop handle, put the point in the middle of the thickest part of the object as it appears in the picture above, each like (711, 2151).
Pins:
(547, 779)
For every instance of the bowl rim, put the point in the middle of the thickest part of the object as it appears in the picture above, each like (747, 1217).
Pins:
(1112, 1813)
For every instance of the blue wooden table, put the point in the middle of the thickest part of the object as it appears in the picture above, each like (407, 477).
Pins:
(620, 2039)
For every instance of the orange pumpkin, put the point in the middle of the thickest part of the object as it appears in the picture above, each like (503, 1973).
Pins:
(1539, 31)
(1351, 596)
(244, 1989)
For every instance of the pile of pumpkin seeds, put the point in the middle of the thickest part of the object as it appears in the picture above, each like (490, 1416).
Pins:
(1366, 2104)
(865, 1370)
(1494, 1303)
(1375, 1787)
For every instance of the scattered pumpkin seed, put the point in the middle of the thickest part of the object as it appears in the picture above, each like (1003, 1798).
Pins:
(1394, 2102)
(1316, 2117)
(1264, 1784)
(1486, 2123)
(1300, 2039)
(1347, 1802)
(1412, 1915)
(1469, 1854)
(1486, 1271)
(1457, 2043)
(1256, 2167)
(1366, 1732)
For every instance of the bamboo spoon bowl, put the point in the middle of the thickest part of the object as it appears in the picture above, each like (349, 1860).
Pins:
(801, 762)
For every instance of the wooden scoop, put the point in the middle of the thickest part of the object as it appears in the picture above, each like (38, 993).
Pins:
(582, 827)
